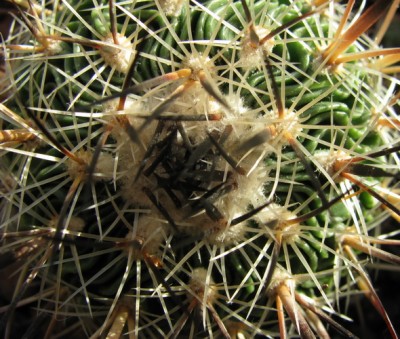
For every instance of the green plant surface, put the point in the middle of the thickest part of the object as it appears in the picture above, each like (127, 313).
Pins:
(196, 169)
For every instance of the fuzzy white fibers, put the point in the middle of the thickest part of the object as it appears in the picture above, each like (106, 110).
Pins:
(117, 56)
(252, 54)
(201, 286)
(103, 170)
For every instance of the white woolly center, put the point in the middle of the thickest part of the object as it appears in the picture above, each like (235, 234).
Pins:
(103, 170)
(150, 234)
(278, 278)
(288, 125)
(117, 56)
(75, 224)
(201, 285)
(53, 47)
(331, 161)
(227, 236)
(278, 219)
(251, 54)
(197, 63)
(171, 7)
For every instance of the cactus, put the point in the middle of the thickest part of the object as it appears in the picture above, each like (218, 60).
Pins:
(196, 169)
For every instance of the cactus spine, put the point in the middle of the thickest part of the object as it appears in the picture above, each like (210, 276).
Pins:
(196, 169)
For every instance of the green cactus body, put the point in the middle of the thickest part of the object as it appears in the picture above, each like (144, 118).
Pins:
(235, 167)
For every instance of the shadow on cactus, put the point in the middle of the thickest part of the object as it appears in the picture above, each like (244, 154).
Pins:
(196, 169)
